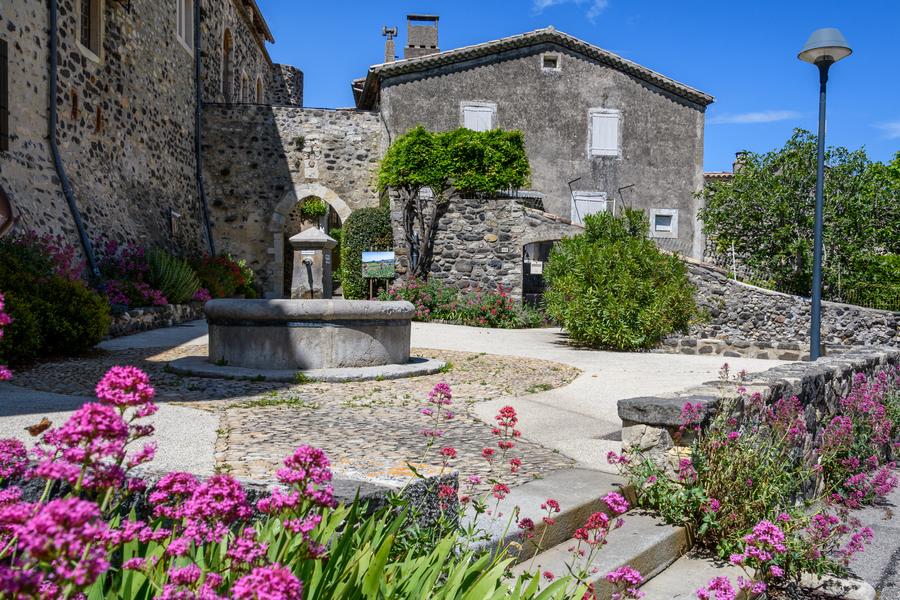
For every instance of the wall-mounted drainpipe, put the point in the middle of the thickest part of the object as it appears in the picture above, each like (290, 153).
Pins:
(54, 148)
(198, 130)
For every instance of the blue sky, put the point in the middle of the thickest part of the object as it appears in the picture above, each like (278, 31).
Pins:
(743, 53)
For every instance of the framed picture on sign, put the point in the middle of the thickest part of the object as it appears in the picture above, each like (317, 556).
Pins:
(378, 265)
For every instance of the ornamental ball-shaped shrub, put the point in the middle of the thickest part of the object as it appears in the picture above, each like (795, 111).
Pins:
(612, 287)
(22, 339)
(74, 317)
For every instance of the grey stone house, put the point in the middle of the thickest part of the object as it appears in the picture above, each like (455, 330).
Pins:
(601, 131)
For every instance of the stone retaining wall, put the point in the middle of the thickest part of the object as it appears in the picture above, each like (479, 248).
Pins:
(650, 424)
(154, 317)
(740, 313)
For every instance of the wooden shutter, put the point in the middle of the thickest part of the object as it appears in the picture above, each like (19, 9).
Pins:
(605, 133)
(478, 118)
(4, 97)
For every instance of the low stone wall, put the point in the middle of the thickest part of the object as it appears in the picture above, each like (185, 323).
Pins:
(745, 313)
(154, 317)
(730, 347)
(650, 424)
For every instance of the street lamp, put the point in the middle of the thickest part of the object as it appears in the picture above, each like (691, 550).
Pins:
(823, 48)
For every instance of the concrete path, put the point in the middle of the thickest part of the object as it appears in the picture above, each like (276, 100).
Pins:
(579, 420)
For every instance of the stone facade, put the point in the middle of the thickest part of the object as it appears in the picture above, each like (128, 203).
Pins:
(650, 425)
(660, 147)
(479, 242)
(739, 312)
(126, 116)
(260, 161)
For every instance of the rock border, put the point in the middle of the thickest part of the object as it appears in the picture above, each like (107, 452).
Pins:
(197, 366)
(145, 318)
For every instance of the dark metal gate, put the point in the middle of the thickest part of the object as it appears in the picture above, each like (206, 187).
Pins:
(534, 260)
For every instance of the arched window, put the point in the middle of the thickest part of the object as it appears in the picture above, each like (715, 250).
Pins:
(227, 67)
(245, 88)
(259, 90)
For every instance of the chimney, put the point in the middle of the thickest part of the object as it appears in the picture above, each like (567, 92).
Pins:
(740, 159)
(421, 36)
(390, 51)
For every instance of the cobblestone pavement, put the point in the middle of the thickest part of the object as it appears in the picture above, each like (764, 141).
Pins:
(369, 429)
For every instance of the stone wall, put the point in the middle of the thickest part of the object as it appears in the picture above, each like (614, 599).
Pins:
(126, 118)
(260, 161)
(650, 424)
(479, 242)
(287, 86)
(154, 317)
(746, 313)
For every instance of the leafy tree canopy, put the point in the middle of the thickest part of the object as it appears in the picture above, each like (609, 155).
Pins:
(767, 212)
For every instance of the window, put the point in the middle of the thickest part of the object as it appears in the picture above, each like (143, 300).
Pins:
(90, 28)
(479, 116)
(4, 98)
(663, 222)
(587, 203)
(550, 62)
(259, 91)
(604, 133)
(227, 68)
(184, 29)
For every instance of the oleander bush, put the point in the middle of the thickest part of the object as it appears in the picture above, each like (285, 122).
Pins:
(52, 310)
(611, 286)
(435, 301)
(173, 276)
(367, 229)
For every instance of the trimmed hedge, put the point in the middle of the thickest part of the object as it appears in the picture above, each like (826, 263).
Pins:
(366, 229)
(612, 287)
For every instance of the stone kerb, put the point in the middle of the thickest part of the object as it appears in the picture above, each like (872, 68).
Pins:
(650, 425)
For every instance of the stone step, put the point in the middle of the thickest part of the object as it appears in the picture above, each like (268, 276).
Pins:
(579, 493)
(685, 576)
(644, 543)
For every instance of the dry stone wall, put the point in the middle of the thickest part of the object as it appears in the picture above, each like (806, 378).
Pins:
(479, 242)
(260, 161)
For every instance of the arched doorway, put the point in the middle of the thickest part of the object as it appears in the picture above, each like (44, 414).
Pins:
(299, 219)
(278, 226)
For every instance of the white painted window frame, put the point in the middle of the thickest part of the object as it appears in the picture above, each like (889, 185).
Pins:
(99, 23)
(557, 56)
(604, 113)
(245, 88)
(184, 24)
(582, 200)
(478, 106)
(672, 232)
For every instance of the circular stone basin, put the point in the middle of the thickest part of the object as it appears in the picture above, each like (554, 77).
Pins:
(308, 334)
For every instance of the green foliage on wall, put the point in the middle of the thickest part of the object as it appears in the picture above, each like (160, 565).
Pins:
(173, 276)
(767, 212)
(313, 209)
(364, 230)
(612, 287)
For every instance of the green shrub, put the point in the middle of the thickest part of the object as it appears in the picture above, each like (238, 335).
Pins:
(173, 276)
(221, 275)
(612, 287)
(313, 209)
(76, 318)
(366, 229)
(874, 282)
(22, 339)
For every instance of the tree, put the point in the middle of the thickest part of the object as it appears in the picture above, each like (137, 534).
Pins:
(453, 164)
(612, 287)
(767, 212)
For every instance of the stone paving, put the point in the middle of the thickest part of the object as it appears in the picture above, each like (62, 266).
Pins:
(369, 429)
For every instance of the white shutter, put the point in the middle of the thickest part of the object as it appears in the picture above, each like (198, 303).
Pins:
(605, 133)
(189, 23)
(179, 17)
(478, 118)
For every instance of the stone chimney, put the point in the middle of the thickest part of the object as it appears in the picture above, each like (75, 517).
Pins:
(390, 50)
(421, 36)
(740, 159)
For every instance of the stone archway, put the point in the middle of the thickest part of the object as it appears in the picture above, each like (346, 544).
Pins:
(279, 216)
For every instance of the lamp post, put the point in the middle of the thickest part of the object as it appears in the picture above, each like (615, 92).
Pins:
(823, 48)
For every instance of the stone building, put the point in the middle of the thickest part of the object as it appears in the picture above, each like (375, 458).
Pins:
(600, 131)
(129, 87)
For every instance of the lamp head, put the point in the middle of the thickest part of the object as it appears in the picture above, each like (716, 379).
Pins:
(827, 44)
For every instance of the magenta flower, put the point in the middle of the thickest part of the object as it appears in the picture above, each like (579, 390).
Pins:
(719, 588)
(627, 580)
(13, 458)
(215, 504)
(125, 386)
(268, 583)
(171, 493)
(307, 470)
(616, 503)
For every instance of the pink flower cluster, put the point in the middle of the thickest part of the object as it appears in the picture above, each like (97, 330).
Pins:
(202, 295)
(627, 581)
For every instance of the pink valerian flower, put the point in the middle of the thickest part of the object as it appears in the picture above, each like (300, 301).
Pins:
(548, 575)
(13, 458)
(514, 465)
(307, 470)
(246, 550)
(125, 386)
(617, 459)
(686, 471)
(527, 526)
(278, 501)
(65, 538)
(616, 503)
(691, 416)
(448, 453)
(268, 583)
(171, 493)
(786, 417)
(500, 491)
(488, 454)
(215, 504)
(712, 506)
(719, 588)
(185, 576)
(202, 295)
(441, 394)
(626, 581)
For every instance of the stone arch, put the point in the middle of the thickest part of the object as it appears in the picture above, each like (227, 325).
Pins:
(301, 191)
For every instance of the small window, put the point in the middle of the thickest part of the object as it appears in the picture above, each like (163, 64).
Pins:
(4, 98)
(245, 88)
(90, 27)
(479, 116)
(227, 67)
(604, 133)
(184, 28)
(550, 62)
(259, 91)
(664, 222)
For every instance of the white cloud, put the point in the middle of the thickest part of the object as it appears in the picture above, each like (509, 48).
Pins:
(594, 7)
(891, 130)
(749, 118)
